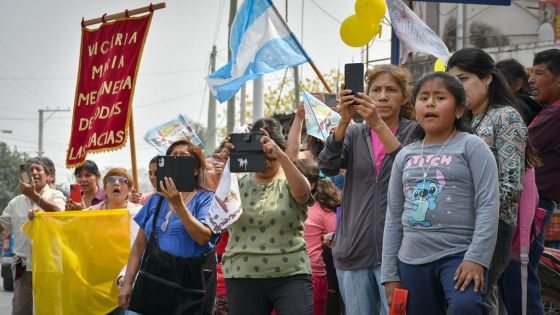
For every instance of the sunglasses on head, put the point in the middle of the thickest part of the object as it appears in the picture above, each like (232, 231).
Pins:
(114, 179)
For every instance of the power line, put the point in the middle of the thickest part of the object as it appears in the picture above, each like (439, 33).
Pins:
(25, 71)
(169, 99)
(147, 74)
(326, 12)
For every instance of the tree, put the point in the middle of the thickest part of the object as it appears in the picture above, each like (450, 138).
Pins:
(9, 173)
(199, 129)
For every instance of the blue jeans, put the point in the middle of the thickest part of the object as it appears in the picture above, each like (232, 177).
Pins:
(510, 283)
(431, 288)
(511, 279)
(362, 291)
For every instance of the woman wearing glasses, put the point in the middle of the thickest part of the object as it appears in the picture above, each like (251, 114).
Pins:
(117, 184)
(180, 227)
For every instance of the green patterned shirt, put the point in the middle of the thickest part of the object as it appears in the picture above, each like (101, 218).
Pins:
(267, 240)
(506, 134)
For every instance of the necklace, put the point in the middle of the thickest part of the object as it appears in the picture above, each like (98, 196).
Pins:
(170, 212)
(425, 172)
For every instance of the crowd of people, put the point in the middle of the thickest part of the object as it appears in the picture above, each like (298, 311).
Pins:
(425, 194)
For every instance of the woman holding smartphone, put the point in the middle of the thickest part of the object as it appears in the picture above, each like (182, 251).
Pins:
(265, 264)
(180, 227)
(88, 176)
(367, 150)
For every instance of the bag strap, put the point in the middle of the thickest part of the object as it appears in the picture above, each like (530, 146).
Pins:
(152, 237)
(156, 215)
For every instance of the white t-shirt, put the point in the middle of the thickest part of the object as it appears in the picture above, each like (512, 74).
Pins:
(15, 216)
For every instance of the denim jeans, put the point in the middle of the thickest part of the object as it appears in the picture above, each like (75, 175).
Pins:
(431, 289)
(510, 283)
(362, 291)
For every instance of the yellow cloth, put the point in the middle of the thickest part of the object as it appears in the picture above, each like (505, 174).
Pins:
(76, 259)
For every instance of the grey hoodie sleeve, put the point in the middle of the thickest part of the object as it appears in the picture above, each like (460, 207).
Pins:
(393, 233)
(335, 154)
(484, 173)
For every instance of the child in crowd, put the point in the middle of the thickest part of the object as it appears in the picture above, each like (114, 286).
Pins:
(321, 219)
(440, 186)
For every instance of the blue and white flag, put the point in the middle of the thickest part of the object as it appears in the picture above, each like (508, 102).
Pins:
(413, 33)
(260, 42)
(319, 118)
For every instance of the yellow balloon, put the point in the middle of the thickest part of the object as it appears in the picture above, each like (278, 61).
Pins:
(371, 11)
(356, 32)
(439, 66)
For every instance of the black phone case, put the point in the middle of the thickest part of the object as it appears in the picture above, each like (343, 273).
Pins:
(179, 168)
(241, 162)
(354, 77)
(248, 154)
(244, 142)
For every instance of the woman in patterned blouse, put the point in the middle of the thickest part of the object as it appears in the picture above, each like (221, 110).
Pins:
(493, 115)
(265, 264)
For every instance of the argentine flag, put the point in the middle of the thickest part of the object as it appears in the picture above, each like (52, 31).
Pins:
(260, 42)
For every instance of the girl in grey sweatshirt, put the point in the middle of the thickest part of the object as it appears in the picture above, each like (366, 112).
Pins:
(442, 210)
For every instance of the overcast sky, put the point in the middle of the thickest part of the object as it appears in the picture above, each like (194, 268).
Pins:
(39, 51)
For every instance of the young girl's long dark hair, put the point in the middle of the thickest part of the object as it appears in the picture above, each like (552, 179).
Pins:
(481, 64)
(455, 87)
(326, 193)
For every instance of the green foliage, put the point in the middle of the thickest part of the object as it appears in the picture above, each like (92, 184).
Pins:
(199, 129)
(9, 173)
(280, 99)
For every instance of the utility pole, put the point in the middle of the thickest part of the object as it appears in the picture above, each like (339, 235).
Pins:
(41, 124)
(211, 126)
(231, 101)
(296, 86)
(243, 105)
(258, 98)
(460, 31)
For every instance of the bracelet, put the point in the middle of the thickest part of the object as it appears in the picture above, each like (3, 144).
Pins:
(39, 203)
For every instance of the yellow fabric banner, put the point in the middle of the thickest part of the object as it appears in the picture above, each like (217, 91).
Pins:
(76, 259)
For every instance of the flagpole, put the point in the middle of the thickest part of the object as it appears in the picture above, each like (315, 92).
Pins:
(133, 150)
(301, 48)
(320, 77)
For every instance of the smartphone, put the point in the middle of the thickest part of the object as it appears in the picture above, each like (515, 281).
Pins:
(179, 168)
(248, 154)
(354, 78)
(75, 193)
(24, 173)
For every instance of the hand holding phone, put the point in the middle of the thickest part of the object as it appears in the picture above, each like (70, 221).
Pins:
(354, 78)
(24, 173)
(75, 193)
(248, 154)
(179, 168)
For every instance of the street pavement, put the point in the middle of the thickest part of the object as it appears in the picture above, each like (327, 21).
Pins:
(5, 302)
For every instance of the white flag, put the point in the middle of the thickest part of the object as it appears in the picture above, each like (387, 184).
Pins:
(414, 34)
(226, 206)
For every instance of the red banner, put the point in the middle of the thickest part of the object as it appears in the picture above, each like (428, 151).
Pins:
(109, 60)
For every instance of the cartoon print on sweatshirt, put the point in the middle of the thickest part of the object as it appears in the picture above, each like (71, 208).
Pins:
(423, 196)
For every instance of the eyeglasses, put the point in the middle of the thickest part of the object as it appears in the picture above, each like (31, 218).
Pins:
(114, 179)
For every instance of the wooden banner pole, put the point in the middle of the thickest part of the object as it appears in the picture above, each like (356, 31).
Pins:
(133, 151)
(321, 77)
(107, 18)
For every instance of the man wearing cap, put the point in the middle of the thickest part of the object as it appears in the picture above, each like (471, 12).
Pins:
(35, 196)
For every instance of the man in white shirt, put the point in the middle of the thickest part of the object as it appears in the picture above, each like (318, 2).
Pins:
(35, 196)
